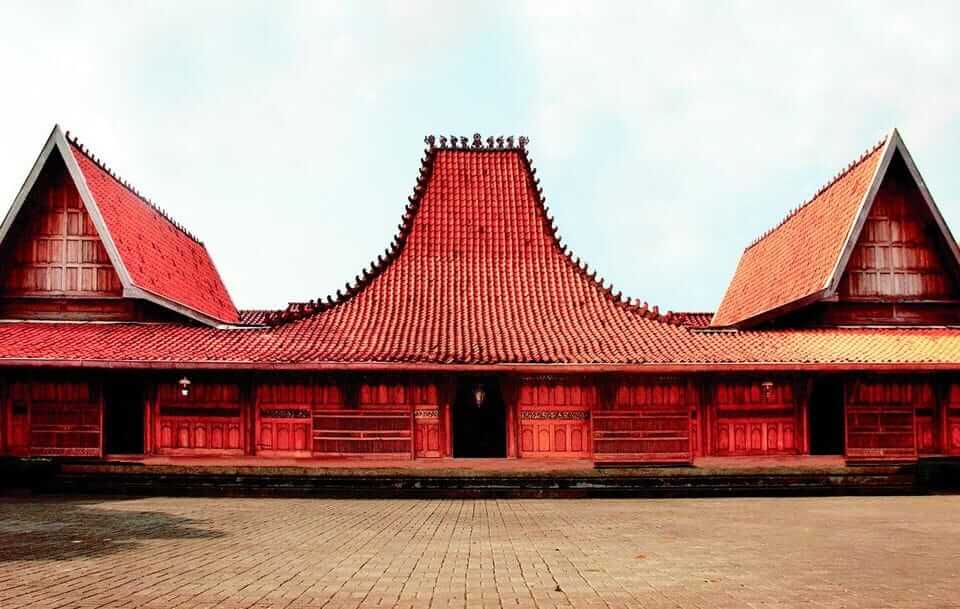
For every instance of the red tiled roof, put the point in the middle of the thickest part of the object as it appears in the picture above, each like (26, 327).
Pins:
(796, 259)
(693, 319)
(255, 317)
(159, 256)
(659, 347)
(476, 276)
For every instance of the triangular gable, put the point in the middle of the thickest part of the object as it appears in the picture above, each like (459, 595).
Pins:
(941, 271)
(802, 260)
(155, 259)
(53, 249)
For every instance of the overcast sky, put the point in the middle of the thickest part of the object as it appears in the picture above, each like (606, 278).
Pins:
(667, 136)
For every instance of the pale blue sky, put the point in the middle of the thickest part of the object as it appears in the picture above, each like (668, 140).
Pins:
(667, 136)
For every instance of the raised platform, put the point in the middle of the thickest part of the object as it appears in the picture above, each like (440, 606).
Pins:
(466, 478)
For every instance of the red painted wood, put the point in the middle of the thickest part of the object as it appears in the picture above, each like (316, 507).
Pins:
(380, 424)
(897, 254)
(554, 417)
(426, 413)
(881, 418)
(64, 418)
(645, 421)
(207, 421)
(951, 418)
(284, 418)
(54, 248)
(755, 419)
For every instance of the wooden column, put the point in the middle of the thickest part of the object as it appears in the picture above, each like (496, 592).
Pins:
(249, 413)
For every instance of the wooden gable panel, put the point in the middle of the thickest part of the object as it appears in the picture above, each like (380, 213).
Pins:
(899, 254)
(54, 248)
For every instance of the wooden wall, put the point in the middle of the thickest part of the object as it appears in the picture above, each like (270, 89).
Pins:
(898, 253)
(365, 419)
(755, 418)
(284, 414)
(951, 420)
(54, 249)
(644, 420)
(613, 419)
(881, 417)
(207, 421)
(554, 415)
(51, 417)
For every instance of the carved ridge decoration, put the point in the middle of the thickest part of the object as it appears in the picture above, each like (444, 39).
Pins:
(561, 415)
(285, 413)
(427, 413)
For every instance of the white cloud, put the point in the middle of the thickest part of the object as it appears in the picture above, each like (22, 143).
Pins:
(288, 135)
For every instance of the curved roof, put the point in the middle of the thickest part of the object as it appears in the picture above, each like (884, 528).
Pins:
(476, 277)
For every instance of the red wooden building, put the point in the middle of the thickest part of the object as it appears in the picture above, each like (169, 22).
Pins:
(477, 333)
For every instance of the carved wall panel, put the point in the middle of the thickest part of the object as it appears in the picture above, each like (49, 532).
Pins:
(554, 417)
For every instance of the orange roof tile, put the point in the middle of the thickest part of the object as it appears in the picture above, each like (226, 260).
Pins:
(796, 259)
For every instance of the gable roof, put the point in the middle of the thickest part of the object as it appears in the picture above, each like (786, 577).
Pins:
(477, 280)
(156, 259)
(802, 259)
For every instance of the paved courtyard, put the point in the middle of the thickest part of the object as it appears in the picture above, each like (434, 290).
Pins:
(710, 553)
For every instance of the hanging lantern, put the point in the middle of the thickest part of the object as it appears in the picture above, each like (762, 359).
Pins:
(766, 388)
(184, 386)
(479, 395)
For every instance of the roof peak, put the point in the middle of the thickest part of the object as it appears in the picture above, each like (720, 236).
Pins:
(850, 167)
(75, 141)
(300, 310)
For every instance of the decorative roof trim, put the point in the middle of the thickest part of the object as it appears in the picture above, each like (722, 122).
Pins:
(72, 139)
(826, 291)
(793, 212)
(300, 310)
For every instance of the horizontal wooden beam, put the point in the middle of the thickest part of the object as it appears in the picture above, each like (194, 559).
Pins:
(551, 369)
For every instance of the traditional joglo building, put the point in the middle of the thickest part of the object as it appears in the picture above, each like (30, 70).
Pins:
(477, 332)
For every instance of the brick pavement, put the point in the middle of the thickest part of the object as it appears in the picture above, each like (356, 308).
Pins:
(896, 552)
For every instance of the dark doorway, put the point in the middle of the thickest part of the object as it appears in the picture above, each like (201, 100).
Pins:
(826, 417)
(123, 418)
(479, 426)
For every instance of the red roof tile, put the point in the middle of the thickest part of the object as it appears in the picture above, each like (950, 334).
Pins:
(476, 276)
(796, 259)
(159, 256)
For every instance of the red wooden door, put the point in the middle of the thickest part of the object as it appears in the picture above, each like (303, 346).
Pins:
(555, 418)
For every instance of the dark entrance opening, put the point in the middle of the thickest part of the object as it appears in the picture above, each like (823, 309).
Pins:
(826, 417)
(123, 418)
(479, 419)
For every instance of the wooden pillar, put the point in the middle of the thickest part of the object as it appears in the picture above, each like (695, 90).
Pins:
(446, 390)
(249, 414)
(709, 409)
(802, 391)
(509, 389)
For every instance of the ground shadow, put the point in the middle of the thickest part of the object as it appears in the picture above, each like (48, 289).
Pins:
(67, 528)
